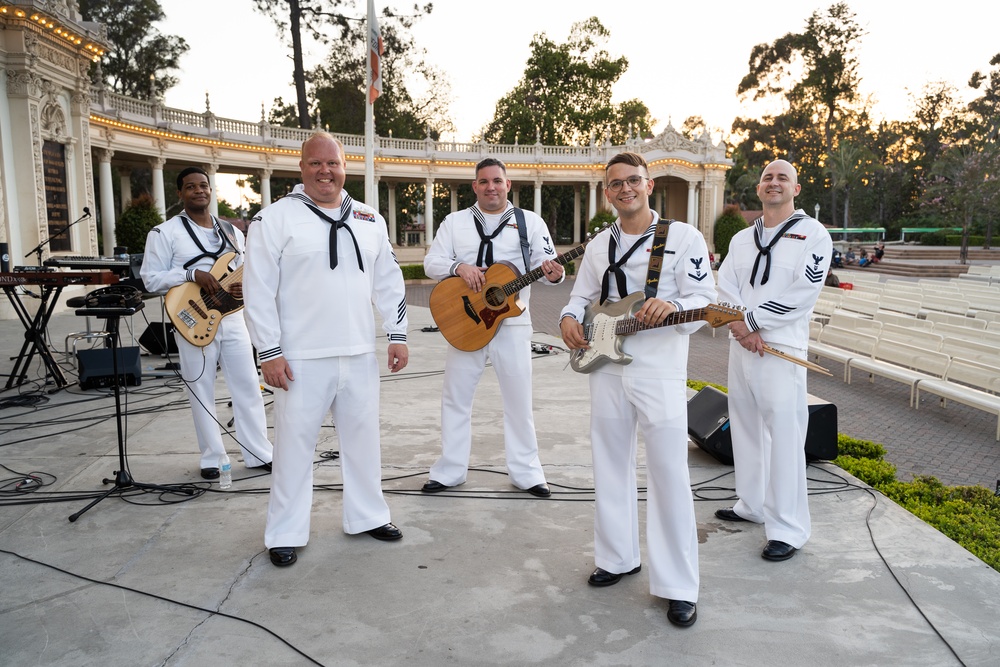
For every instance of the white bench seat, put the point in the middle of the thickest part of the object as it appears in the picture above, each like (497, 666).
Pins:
(843, 345)
(967, 382)
(901, 362)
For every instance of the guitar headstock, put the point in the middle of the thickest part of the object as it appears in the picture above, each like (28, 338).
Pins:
(719, 314)
(590, 235)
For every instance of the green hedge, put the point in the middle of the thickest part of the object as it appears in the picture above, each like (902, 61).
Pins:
(413, 272)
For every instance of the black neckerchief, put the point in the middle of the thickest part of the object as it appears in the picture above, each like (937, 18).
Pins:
(485, 256)
(197, 241)
(346, 208)
(614, 267)
(765, 251)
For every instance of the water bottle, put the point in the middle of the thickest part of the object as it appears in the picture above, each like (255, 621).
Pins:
(225, 472)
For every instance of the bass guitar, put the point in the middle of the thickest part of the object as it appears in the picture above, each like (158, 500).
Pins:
(469, 320)
(195, 313)
(604, 328)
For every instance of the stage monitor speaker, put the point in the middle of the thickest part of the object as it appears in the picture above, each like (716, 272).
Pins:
(152, 339)
(97, 369)
(708, 426)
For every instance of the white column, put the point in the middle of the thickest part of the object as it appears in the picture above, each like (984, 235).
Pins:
(592, 204)
(692, 212)
(659, 202)
(515, 193)
(159, 199)
(429, 212)
(393, 231)
(454, 198)
(125, 182)
(104, 156)
(538, 197)
(265, 187)
(213, 205)
(576, 214)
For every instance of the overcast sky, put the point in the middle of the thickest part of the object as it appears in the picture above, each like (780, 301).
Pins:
(684, 58)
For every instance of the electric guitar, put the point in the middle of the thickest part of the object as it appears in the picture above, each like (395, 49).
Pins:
(604, 328)
(469, 320)
(195, 313)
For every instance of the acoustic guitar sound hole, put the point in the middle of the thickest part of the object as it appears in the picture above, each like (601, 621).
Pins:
(494, 297)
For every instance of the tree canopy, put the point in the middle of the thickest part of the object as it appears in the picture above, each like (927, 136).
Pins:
(141, 58)
(564, 95)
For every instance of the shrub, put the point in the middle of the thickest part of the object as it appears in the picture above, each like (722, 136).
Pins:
(726, 227)
(872, 472)
(413, 272)
(598, 221)
(135, 222)
(860, 449)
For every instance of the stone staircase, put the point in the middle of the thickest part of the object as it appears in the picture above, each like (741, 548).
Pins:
(929, 261)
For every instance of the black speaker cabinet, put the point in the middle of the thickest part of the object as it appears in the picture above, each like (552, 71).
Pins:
(97, 369)
(708, 426)
(153, 341)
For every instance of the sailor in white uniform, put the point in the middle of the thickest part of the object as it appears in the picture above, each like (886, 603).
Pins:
(184, 249)
(316, 262)
(467, 243)
(649, 393)
(775, 271)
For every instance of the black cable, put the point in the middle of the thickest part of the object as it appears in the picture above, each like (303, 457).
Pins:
(210, 612)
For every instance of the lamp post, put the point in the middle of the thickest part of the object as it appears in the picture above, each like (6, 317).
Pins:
(817, 212)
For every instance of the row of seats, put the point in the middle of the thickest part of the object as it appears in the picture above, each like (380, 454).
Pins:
(953, 369)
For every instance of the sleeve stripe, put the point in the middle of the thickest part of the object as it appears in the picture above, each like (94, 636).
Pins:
(267, 355)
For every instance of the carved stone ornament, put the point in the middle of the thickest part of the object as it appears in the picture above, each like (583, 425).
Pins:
(53, 120)
(23, 84)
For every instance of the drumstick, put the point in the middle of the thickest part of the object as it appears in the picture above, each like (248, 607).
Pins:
(795, 360)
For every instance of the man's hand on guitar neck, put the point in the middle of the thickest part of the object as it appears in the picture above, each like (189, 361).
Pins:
(654, 311)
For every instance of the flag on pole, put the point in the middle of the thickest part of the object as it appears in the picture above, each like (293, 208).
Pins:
(375, 51)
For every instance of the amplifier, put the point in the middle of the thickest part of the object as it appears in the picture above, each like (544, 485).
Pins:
(97, 369)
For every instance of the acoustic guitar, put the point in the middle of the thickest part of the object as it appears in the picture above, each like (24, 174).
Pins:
(469, 320)
(195, 313)
(604, 328)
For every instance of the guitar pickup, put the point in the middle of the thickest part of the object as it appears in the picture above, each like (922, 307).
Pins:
(470, 311)
(187, 318)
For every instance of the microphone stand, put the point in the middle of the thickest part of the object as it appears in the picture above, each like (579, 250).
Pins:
(38, 248)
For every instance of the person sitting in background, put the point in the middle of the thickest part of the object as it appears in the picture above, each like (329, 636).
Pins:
(831, 279)
(863, 259)
(837, 260)
(879, 253)
(849, 257)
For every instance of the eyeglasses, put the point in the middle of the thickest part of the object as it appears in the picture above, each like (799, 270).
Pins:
(633, 182)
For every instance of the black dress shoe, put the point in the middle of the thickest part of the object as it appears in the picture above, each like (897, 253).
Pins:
(604, 578)
(541, 490)
(386, 532)
(433, 487)
(682, 613)
(282, 556)
(728, 514)
(777, 550)
(210, 473)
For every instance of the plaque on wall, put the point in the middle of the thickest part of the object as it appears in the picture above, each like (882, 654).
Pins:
(56, 200)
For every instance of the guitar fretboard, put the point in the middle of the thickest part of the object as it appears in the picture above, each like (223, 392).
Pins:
(516, 285)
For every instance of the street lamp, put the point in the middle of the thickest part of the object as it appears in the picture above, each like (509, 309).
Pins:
(817, 212)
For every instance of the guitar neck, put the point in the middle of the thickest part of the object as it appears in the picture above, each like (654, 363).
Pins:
(516, 285)
(630, 325)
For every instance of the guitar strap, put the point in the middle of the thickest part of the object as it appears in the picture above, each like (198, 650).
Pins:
(656, 258)
(522, 231)
(205, 252)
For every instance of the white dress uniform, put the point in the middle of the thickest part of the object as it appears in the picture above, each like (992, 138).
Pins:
(651, 393)
(458, 242)
(320, 320)
(768, 408)
(169, 247)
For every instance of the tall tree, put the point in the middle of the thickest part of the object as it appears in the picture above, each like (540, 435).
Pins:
(965, 187)
(564, 95)
(813, 74)
(984, 111)
(141, 58)
(850, 165)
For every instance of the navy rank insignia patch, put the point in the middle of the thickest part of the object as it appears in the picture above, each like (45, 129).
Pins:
(698, 274)
(814, 273)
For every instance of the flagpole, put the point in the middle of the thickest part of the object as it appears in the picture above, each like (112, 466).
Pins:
(371, 190)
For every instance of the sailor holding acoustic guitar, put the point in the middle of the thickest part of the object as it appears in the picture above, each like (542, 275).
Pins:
(648, 393)
(184, 249)
(466, 245)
